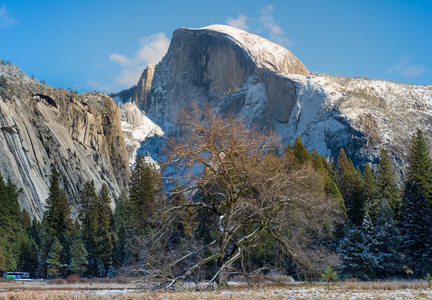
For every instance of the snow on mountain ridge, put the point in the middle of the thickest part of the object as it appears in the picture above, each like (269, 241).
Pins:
(238, 72)
(137, 128)
(263, 52)
(360, 115)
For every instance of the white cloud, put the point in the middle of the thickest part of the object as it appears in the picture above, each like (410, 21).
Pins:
(239, 23)
(406, 70)
(276, 33)
(123, 60)
(6, 19)
(97, 86)
(128, 77)
(152, 49)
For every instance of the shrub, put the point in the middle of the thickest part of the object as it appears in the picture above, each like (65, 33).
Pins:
(58, 281)
(73, 278)
(119, 279)
(429, 279)
(329, 275)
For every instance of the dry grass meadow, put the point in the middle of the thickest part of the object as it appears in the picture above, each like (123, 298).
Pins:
(93, 290)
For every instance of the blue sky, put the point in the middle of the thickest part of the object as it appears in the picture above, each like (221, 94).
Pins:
(104, 45)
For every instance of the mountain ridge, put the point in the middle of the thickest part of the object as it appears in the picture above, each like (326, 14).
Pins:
(360, 115)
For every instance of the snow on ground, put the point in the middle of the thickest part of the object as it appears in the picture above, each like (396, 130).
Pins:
(142, 289)
(253, 292)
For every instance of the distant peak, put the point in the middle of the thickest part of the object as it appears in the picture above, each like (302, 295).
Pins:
(223, 28)
(263, 52)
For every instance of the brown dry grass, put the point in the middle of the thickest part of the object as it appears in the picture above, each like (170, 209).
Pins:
(385, 285)
(338, 290)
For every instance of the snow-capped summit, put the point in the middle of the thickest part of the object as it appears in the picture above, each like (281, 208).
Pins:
(242, 73)
(208, 63)
(263, 52)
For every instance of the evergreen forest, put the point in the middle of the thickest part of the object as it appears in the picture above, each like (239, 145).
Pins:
(233, 203)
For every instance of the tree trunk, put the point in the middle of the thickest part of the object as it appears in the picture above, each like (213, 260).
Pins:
(222, 277)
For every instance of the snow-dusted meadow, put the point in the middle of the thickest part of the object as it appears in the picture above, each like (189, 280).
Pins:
(136, 290)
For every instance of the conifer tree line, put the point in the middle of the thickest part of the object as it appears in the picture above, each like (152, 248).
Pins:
(97, 243)
(376, 231)
(388, 231)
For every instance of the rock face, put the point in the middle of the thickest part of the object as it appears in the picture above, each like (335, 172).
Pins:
(208, 64)
(242, 73)
(41, 127)
(360, 115)
(144, 84)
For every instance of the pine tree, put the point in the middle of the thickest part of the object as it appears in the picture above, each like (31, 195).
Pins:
(26, 220)
(112, 272)
(53, 261)
(13, 204)
(416, 230)
(101, 273)
(369, 185)
(10, 219)
(28, 257)
(331, 190)
(388, 241)
(57, 224)
(321, 165)
(420, 165)
(104, 248)
(78, 262)
(144, 188)
(52, 214)
(300, 152)
(289, 151)
(369, 229)
(104, 208)
(104, 241)
(85, 212)
(36, 232)
(359, 261)
(58, 219)
(318, 163)
(95, 213)
(76, 232)
(386, 184)
(66, 254)
(351, 187)
(2, 260)
(89, 216)
(121, 223)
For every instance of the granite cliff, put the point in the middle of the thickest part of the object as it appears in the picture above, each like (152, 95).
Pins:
(42, 126)
(266, 84)
(210, 64)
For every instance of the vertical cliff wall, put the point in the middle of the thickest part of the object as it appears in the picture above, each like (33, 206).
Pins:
(266, 84)
(208, 64)
(43, 127)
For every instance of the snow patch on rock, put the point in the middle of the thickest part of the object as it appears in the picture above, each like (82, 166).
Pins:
(263, 52)
(255, 101)
(137, 128)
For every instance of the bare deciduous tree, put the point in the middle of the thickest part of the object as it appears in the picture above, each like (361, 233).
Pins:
(236, 178)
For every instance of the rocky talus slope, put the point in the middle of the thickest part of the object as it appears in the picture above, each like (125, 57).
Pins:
(42, 126)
